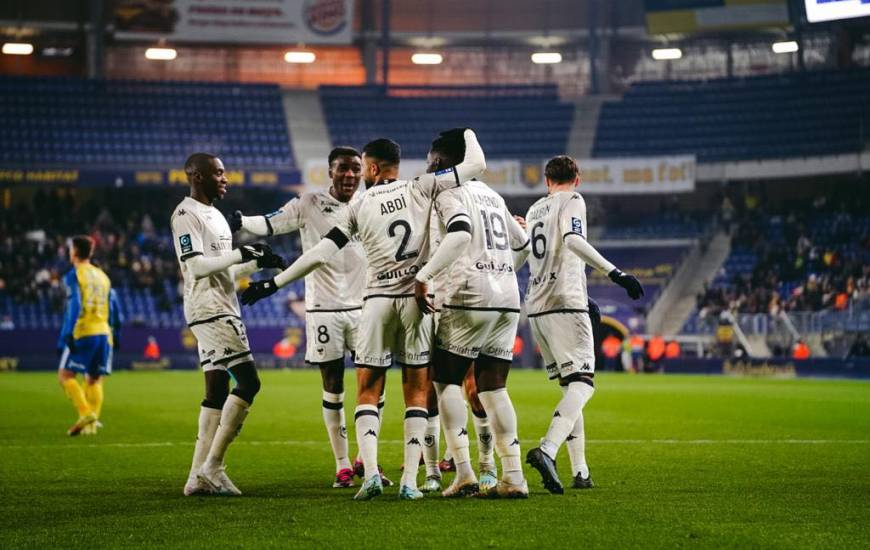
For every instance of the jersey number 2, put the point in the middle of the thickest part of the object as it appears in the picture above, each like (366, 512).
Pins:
(401, 253)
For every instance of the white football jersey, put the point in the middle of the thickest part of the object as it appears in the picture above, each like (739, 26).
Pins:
(200, 229)
(392, 221)
(338, 284)
(557, 279)
(483, 277)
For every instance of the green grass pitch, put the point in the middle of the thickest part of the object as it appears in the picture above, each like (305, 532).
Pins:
(679, 461)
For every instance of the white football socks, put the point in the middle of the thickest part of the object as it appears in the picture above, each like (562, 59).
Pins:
(565, 416)
(500, 410)
(233, 415)
(431, 440)
(209, 419)
(576, 443)
(485, 458)
(454, 414)
(415, 430)
(367, 428)
(333, 418)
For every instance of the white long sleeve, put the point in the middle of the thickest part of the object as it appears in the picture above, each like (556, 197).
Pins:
(473, 165)
(520, 257)
(578, 245)
(308, 262)
(245, 269)
(451, 248)
(201, 267)
(256, 225)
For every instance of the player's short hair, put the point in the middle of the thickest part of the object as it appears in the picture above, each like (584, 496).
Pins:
(561, 169)
(385, 150)
(83, 246)
(343, 151)
(198, 162)
(450, 145)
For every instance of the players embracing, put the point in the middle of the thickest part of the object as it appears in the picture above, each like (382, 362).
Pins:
(392, 222)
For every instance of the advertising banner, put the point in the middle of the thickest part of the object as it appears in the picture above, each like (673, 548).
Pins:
(236, 21)
(687, 16)
(89, 177)
(674, 174)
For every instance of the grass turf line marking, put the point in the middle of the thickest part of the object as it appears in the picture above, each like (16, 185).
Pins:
(291, 442)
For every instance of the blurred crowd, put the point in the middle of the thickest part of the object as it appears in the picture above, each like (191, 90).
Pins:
(133, 241)
(809, 257)
(129, 247)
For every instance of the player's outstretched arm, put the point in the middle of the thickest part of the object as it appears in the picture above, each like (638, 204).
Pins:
(285, 220)
(579, 246)
(304, 264)
(473, 165)
(258, 225)
(201, 267)
(452, 246)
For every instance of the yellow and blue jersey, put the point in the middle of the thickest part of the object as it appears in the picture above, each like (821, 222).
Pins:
(92, 306)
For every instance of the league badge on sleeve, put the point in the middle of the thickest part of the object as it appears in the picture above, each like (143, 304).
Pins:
(186, 244)
(577, 226)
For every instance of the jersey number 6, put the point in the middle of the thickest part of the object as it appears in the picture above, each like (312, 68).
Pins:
(538, 238)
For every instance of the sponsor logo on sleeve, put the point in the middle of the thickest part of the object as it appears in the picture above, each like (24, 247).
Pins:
(186, 243)
(577, 226)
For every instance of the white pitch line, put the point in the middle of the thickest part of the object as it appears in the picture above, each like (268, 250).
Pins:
(292, 442)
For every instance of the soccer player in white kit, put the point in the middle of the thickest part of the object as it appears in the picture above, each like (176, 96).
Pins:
(558, 308)
(333, 293)
(480, 310)
(392, 221)
(210, 265)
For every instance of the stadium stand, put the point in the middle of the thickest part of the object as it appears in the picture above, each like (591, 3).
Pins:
(134, 247)
(78, 122)
(796, 114)
(810, 259)
(411, 115)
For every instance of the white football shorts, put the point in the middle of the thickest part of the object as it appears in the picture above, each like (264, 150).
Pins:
(566, 342)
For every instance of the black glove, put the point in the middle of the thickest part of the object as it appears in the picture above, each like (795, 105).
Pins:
(629, 282)
(594, 312)
(235, 221)
(272, 261)
(258, 290)
(263, 254)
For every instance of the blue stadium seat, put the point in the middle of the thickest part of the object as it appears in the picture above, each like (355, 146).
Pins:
(776, 116)
(50, 120)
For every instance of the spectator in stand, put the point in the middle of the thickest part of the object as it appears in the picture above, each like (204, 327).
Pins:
(800, 351)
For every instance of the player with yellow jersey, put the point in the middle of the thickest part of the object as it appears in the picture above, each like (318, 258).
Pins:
(91, 327)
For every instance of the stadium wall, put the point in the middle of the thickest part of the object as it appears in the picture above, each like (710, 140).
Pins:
(24, 350)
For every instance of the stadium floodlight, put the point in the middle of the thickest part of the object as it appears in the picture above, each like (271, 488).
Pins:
(299, 57)
(789, 46)
(542, 58)
(161, 54)
(427, 59)
(17, 48)
(665, 54)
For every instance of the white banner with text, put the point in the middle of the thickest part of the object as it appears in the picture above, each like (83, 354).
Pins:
(237, 21)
